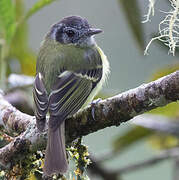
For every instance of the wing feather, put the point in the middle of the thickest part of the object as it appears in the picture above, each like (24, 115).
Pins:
(70, 92)
(40, 101)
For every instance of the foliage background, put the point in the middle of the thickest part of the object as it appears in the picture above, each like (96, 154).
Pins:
(128, 65)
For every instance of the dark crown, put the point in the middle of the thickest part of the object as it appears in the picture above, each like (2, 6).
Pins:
(75, 21)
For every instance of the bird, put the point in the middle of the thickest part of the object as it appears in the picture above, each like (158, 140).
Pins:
(70, 70)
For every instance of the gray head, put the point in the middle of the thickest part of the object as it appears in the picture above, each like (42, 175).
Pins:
(74, 30)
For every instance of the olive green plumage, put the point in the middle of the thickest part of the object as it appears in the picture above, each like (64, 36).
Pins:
(52, 63)
(71, 70)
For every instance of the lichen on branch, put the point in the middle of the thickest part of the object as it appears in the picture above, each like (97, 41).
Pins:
(109, 112)
(168, 27)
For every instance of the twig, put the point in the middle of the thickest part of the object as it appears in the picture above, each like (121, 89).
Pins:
(20, 100)
(17, 81)
(12, 119)
(154, 122)
(21, 146)
(158, 123)
(171, 153)
(167, 154)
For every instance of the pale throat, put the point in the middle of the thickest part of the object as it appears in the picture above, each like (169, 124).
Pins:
(87, 42)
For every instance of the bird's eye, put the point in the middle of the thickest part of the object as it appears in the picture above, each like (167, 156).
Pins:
(70, 33)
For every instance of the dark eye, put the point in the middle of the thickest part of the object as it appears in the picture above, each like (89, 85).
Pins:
(70, 33)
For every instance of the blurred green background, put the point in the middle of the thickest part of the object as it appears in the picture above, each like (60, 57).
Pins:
(123, 41)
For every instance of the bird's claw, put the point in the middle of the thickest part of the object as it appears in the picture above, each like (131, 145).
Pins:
(93, 103)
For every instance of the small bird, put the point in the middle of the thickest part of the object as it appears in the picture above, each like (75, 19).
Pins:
(70, 71)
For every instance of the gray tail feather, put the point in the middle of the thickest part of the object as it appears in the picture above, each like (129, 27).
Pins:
(55, 156)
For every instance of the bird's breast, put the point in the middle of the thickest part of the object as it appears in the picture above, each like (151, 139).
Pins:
(105, 74)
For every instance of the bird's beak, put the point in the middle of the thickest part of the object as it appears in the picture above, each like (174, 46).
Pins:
(93, 31)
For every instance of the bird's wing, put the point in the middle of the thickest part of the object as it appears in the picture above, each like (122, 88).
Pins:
(70, 92)
(40, 101)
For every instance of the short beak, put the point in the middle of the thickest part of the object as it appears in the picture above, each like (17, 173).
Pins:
(93, 31)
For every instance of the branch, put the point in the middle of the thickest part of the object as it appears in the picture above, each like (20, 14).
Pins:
(158, 123)
(109, 112)
(154, 122)
(96, 167)
(123, 107)
(171, 153)
(19, 99)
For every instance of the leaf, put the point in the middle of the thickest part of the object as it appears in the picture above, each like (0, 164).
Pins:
(162, 141)
(37, 6)
(165, 71)
(166, 130)
(132, 12)
(130, 137)
(161, 128)
(7, 19)
(170, 110)
(20, 49)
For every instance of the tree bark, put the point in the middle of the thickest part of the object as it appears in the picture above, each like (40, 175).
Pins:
(109, 112)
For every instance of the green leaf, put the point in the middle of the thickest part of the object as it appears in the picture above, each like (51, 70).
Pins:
(147, 125)
(165, 130)
(163, 141)
(170, 110)
(132, 13)
(7, 19)
(20, 49)
(37, 6)
(165, 71)
(130, 137)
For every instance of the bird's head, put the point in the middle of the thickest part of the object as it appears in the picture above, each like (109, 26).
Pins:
(74, 30)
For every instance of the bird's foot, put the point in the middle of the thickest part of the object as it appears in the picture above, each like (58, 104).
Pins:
(40, 126)
(93, 104)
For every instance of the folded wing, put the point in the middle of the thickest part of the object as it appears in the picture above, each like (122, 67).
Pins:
(70, 92)
(40, 101)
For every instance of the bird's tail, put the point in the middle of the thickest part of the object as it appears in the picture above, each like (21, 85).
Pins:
(55, 156)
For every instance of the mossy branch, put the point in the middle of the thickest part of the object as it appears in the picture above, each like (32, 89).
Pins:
(109, 112)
